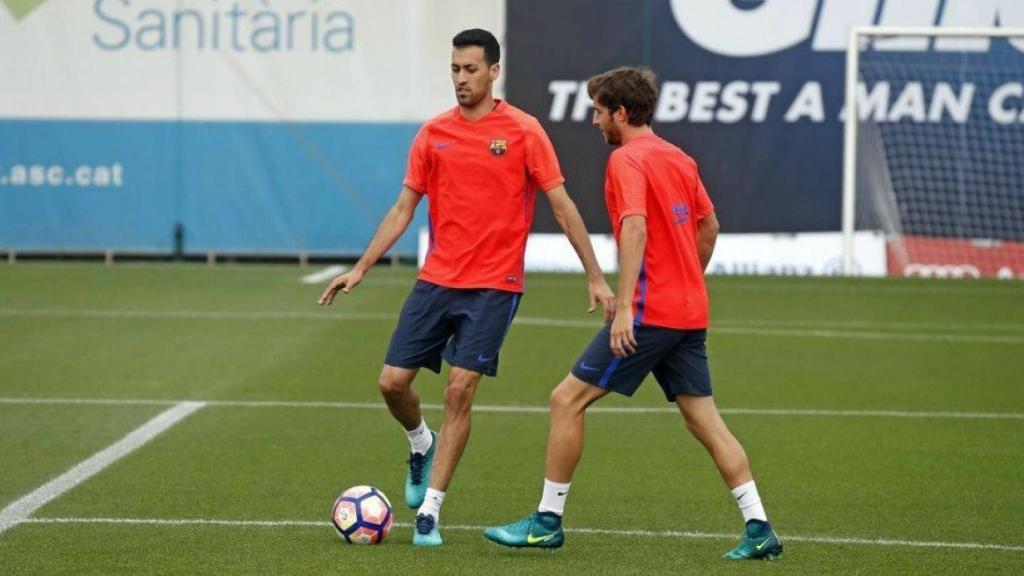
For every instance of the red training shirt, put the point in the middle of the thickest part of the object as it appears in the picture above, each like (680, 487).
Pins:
(652, 177)
(480, 179)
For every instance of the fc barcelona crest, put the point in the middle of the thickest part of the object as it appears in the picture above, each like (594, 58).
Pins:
(499, 147)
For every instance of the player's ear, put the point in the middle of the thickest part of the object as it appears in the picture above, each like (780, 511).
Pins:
(495, 70)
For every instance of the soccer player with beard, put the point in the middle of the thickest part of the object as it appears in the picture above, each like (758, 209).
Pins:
(479, 165)
(665, 227)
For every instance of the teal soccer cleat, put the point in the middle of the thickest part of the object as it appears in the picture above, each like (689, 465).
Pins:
(538, 530)
(759, 541)
(424, 531)
(418, 479)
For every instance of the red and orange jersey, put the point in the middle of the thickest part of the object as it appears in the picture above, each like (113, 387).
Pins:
(653, 178)
(481, 179)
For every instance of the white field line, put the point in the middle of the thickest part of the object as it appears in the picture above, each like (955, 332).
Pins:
(527, 409)
(25, 506)
(718, 283)
(195, 314)
(952, 288)
(686, 534)
(822, 329)
(845, 334)
(93, 401)
(875, 325)
(323, 275)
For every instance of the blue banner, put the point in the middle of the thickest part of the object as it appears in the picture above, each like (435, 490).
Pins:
(754, 91)
(239, 187)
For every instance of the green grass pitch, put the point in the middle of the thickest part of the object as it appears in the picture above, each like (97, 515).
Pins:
(884, 420)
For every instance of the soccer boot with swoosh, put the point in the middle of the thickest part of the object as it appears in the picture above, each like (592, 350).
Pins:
(538, 530)
(759, 541)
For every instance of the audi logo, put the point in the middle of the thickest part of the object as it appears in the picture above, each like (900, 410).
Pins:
(942, 271)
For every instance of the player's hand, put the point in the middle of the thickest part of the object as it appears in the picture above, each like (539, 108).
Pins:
(346, 282)
(601, 292)
(623, 343)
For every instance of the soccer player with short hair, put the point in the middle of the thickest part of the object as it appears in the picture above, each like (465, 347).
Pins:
(479, 165)
(665, 227)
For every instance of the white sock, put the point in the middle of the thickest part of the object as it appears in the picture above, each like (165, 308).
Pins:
(749, 502)
(554, 496)
(432, 504)
(420, 438)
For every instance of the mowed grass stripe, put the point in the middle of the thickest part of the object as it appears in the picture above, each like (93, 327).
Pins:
(526, 409)
(685, 534)
(25, 506)
(812, 330)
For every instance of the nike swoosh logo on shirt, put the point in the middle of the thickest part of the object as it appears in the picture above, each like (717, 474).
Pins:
(443, 145)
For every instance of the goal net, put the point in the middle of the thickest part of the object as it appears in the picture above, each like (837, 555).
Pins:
(935, 149)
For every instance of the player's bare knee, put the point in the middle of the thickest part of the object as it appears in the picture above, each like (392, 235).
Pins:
(464, 379)
(391, 385)
(693, 425)
(458, 399)
(561, 401)
(700, 426)
(458, 395)
(556, 400)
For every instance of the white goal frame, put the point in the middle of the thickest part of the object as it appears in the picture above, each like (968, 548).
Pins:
(852, 116)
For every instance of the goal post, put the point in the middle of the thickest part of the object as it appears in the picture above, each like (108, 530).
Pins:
(933, 149)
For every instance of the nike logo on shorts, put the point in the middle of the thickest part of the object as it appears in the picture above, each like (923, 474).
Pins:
(484, 359)
(588, 368)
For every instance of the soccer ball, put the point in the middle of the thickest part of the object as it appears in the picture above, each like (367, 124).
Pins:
(362, 515)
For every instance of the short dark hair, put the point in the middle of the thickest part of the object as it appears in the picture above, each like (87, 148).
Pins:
(633, 88)
(481, 38)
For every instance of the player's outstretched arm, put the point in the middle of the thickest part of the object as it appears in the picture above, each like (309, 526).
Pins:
(632, 241)
(571, 222)
(707, 234)
(391, 227)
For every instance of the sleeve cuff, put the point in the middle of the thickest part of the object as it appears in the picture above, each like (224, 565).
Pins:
(632, 213)
(414, 186)
(551, 184)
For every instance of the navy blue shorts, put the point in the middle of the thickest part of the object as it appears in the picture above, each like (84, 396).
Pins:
(678, 359)
(465, 327)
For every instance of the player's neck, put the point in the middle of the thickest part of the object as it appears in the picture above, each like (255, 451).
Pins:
(479, 110)
(629, 132)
